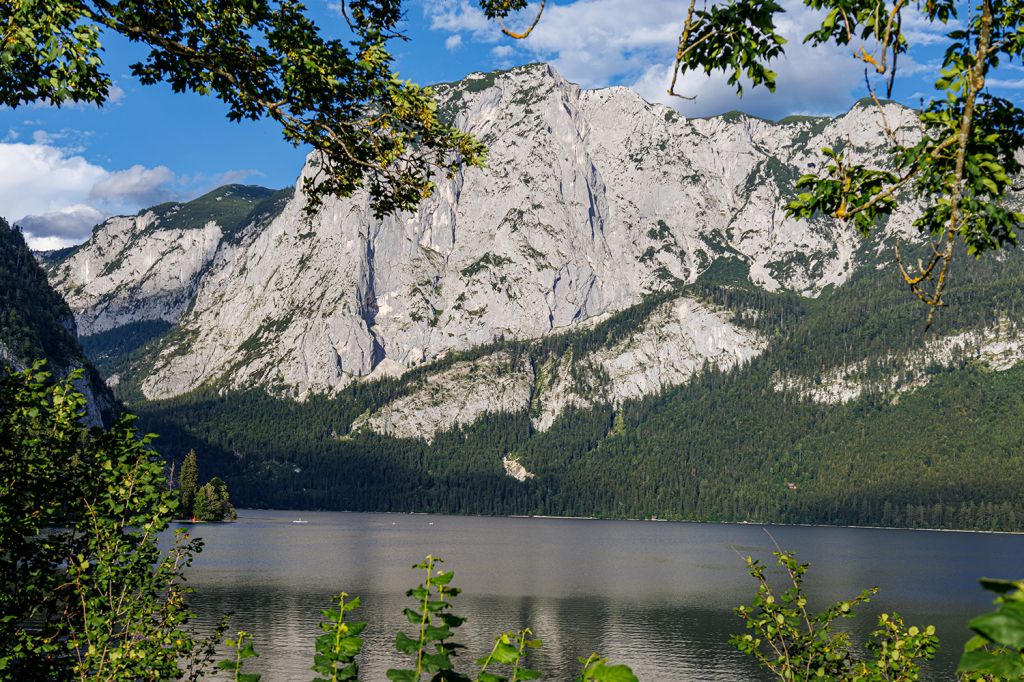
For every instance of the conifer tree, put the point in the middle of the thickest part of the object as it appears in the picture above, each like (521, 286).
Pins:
(189, 484)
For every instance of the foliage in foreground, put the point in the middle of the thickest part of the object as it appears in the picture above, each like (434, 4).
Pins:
(797, 644)
(996, 652)
(262, 59)
(85, 590)
(431, 648)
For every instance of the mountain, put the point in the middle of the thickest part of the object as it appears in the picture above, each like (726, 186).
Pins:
(615, 317)
(36, 324)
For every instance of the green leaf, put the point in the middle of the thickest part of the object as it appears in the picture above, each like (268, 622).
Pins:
(610, 673)
(1005, 666)
(1005, 626)
(1001, 586)
(406, 644)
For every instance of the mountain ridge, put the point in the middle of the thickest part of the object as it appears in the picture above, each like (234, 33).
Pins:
(36, 324)
(617, 319)
(479, 259)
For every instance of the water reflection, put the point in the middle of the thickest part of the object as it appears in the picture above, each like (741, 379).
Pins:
(655, 595)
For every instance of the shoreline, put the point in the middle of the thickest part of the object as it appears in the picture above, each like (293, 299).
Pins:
(768, 524)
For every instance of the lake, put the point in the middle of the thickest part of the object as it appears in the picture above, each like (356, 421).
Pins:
(658, 596)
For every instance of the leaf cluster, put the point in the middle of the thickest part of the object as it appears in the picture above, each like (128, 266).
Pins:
(263, 59)
(996, 651)
(85, 590)
(340, 643)
(509, 650)
(430, 646)
(598, 669)
(738, 38)
(794, 643)
(242, 646)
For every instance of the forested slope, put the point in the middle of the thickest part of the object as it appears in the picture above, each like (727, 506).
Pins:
(36, 323)
(932, 439)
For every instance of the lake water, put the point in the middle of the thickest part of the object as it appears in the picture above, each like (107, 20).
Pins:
(658, 596)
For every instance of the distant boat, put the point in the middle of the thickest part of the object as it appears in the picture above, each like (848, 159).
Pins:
(299, 520)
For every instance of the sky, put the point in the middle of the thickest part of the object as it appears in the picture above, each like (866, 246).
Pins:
(63, 170)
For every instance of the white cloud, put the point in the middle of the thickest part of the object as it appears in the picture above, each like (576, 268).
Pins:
(71, 224)
(70, 140)
(502, 51)
(640, 40)
(115, 94)
(919, 30)
(456, 16)
(826, 89)
(1017, 84)
(57, 196)
(453, 42)
(48, 243)
(137, 185)
(36, 179)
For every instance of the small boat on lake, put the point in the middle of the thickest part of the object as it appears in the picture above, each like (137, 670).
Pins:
(299, 520)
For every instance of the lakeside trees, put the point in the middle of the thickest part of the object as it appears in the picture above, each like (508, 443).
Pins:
(209, 502)
(188, 483)
(122, 618)
(86, 593)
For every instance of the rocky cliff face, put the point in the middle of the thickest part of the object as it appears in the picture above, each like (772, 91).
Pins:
(592, 200)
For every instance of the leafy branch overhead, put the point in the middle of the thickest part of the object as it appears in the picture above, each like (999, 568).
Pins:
(263, 59)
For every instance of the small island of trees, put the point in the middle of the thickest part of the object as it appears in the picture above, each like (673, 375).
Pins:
(209, 502)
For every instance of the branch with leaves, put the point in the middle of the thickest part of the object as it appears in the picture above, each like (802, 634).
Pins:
(264, 59)
(794, 643)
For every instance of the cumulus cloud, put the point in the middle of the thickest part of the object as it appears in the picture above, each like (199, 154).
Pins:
(70, 224)
(456, 16)
(810, 81)
(36, 179)
(135, 185)
(57, 196)
(453, 42)
(1011, 84)
(115, 94)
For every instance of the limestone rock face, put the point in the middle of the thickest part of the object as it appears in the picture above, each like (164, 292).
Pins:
(591, 201)
(457, 396)
(675, 341)
(131, 272)
(672, 344)
(997, 348)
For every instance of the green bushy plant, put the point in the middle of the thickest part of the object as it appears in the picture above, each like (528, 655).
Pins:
(794, 643)
(337, 648)
(85, 590)
(431, 646)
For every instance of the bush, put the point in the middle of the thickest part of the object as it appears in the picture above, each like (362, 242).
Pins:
(85, 591)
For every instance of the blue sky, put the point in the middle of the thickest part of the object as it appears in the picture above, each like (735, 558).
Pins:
(63, 170)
